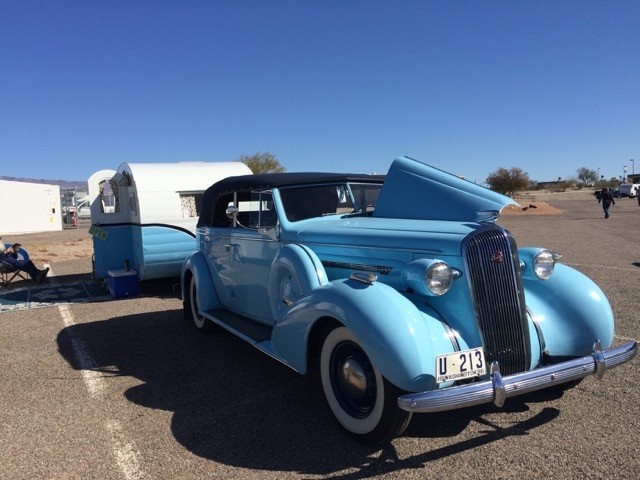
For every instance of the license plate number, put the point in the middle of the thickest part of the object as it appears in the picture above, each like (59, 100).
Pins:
(460, 365)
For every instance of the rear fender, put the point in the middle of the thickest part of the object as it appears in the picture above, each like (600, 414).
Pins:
(295, 271)
(195, 265)
(400, 340)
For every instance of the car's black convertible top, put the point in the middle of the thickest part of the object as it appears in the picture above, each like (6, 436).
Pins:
(264, 181)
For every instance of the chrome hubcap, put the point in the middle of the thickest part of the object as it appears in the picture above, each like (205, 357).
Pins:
(353, 379)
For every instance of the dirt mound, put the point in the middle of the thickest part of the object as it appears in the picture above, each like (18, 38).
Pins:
(533, 208)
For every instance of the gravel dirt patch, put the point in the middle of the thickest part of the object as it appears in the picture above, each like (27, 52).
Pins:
(50, 247)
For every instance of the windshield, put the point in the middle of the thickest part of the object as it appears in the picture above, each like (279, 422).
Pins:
(301, 203)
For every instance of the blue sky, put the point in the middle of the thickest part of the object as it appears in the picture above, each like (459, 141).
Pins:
(466, 86)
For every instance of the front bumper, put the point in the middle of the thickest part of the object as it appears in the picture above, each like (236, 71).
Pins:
(499, 388)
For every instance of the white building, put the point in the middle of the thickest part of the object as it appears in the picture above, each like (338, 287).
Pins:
(29, 207)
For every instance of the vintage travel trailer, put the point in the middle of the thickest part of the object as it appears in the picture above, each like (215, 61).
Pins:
(144, 215)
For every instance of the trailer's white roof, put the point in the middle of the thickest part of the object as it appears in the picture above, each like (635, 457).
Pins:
(181, 176)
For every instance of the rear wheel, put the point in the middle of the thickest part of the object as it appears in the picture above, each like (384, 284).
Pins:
(191, 310)
(362, 401)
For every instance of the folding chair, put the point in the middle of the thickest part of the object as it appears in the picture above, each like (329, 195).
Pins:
(8, 273)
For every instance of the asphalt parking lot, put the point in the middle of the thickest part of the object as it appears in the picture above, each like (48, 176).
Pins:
(125, 389)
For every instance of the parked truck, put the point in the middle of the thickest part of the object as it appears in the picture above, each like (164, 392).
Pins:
(630, 190)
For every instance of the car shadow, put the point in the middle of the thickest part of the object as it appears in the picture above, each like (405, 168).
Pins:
(234, 405)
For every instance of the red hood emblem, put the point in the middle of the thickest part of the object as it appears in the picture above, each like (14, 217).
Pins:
(497, 257)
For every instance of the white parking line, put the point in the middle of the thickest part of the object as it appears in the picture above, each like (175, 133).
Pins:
(93, 379)
(125, 451)
(127, 455)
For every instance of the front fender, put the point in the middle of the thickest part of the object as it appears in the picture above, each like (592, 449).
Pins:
(571, 310)
(400, 340)
(196, 265)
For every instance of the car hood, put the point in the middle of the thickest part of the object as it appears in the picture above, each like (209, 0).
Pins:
(436, 237)
(414, 190)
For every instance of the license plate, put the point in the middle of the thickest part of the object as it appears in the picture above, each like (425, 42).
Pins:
(460, 365)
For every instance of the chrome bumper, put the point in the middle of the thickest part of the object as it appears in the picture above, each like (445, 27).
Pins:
(499, 388)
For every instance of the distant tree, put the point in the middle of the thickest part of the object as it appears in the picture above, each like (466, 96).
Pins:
(586, 175)
(262, 163)
(508, 181)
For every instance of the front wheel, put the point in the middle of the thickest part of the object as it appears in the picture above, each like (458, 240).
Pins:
(362, 401)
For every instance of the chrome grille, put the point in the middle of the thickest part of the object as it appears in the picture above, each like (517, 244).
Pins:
(493, 268)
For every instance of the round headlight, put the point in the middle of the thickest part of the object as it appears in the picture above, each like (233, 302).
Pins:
(543, 264)
(439, 278)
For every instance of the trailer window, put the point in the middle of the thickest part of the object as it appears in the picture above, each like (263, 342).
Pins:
(108, 202)
(190, 204)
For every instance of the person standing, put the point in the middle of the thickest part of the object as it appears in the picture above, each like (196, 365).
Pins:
(607, 199)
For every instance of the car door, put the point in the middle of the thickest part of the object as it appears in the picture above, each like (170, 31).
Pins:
(253, 244)
(214, 243)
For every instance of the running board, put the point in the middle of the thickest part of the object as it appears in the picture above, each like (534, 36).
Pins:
(257, 334)
(249, 330)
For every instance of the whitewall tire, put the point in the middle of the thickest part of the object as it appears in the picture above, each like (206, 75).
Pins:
(362, 401)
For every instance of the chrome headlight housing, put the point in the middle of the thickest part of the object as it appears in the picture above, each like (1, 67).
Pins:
(439, 278)
(430, 277)
(544, 263)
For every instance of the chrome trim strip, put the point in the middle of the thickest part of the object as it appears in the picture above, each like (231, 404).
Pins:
(499, 388)
(600, 360)
(498, 385)
(453, 336)
(384, 270)
(541, 341)
(362, 277)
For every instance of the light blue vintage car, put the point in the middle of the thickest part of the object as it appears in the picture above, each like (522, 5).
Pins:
(400, 290)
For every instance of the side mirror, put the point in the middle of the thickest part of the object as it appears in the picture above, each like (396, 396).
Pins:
(232, 212)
